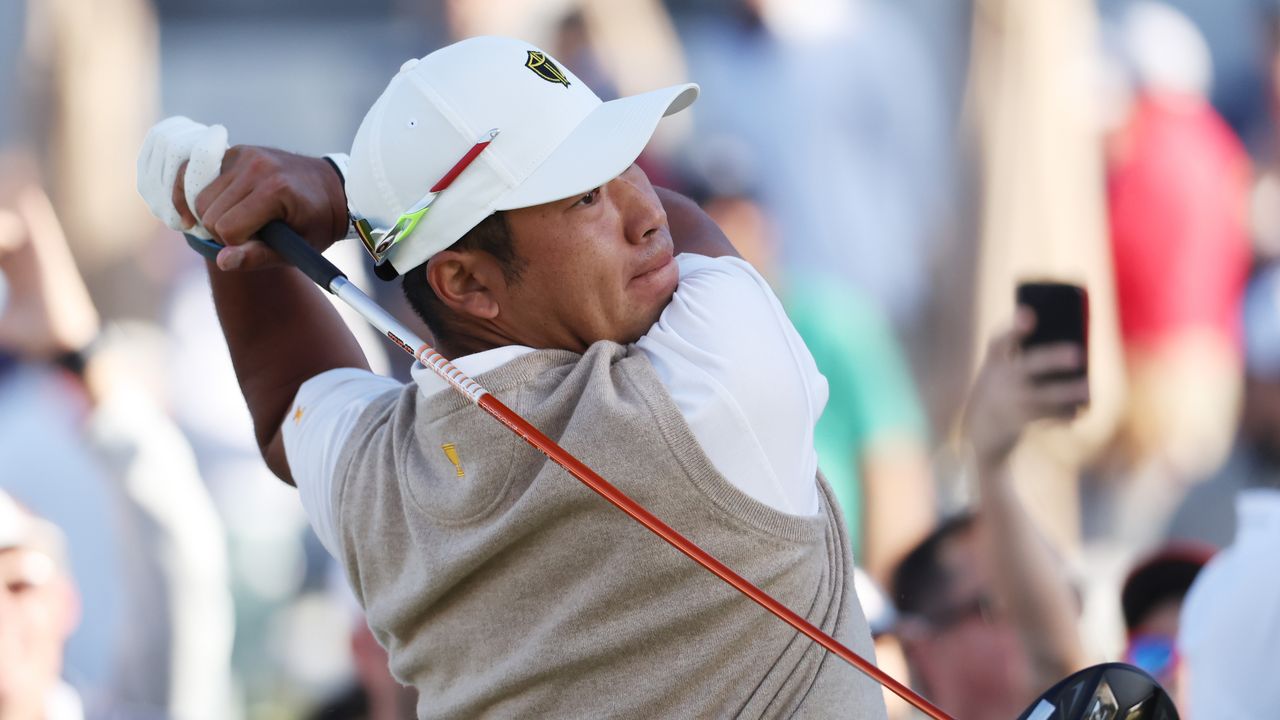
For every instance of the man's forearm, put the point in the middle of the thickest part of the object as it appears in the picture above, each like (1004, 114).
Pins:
(281, 331)
(1030, 578)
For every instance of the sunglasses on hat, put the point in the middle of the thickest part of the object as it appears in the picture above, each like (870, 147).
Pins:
(379, 242)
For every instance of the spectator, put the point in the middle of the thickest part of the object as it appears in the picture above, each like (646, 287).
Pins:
(1152, 599)
(118, 475)
(38, 611)
(986, 584)
(1178, 186)
(42, 450)
(1041, 215)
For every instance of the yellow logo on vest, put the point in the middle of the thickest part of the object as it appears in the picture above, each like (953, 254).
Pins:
(545, 68)
(451, 452)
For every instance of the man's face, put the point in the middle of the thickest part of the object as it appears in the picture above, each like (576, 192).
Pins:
(969, 656)
(36, 616)
(596, 267)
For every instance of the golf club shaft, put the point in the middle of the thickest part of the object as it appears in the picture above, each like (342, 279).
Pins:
(288, 244)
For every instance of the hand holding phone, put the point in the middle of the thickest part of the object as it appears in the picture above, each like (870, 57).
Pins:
(1030, 373)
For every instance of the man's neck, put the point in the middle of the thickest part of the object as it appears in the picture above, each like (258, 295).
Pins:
(459, 342)
(454, 349)
(468, 339)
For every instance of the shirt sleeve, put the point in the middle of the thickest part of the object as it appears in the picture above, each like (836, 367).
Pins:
(743, 380)
(323, 415)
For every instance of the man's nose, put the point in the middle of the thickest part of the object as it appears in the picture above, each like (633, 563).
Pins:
(642, 211)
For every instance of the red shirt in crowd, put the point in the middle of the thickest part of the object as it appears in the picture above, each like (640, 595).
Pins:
(1178, 188)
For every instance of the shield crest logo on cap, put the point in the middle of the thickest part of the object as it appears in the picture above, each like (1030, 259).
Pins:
(545, 68)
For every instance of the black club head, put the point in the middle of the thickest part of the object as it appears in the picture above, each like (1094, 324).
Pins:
(1111, 691)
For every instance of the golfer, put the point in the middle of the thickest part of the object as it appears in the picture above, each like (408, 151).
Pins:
(612, 315)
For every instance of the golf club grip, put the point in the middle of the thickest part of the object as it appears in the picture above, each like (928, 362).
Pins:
(207, 248)
(290, 245)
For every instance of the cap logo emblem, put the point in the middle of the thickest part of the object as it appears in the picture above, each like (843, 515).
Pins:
(545, 68)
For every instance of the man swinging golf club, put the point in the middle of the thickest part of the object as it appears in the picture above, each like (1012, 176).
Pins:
(614, 317)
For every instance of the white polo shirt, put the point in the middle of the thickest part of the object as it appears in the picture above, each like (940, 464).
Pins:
(725, 350)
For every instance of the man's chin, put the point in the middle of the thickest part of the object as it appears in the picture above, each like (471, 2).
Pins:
(641, 328)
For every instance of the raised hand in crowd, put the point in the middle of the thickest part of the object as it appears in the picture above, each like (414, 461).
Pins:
(985, 584)
(1016, 387)
(48, 312)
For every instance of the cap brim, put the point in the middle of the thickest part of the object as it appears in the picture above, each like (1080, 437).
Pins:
(603, 145)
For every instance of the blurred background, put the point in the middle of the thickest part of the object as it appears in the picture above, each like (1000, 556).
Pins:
(894, 167)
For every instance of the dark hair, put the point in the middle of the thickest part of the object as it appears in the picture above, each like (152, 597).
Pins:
(920, 582)
(1164, 576)
(491, 236)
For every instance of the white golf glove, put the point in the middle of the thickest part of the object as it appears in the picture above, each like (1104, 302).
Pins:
(168, 144)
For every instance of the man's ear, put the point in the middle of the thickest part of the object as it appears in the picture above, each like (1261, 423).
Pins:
(468, 282)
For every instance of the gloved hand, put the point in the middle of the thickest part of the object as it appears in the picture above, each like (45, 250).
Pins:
(194, 183)
(170, 143)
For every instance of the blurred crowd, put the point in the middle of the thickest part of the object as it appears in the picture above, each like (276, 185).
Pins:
(894, 167)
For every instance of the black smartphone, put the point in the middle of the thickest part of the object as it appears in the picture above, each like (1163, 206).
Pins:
(1062, 315)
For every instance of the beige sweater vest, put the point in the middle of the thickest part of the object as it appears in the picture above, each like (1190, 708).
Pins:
(503, 587)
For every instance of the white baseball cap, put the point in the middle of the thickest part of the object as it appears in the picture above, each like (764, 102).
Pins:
(555, 139)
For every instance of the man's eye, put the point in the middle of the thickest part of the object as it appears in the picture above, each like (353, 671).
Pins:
(589, 197)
